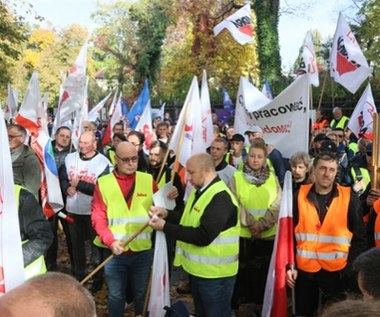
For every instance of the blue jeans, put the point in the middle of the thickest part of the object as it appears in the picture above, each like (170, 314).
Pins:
(212, 297)
(136, 267)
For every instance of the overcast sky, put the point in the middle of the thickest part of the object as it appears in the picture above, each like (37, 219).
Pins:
(310, 15)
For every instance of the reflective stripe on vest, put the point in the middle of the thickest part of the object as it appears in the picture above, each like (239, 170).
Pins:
(37, 267)
(322, 238)
(264, 196)
(323, 245)
(207, 259)
(122, 220)
(220, 257)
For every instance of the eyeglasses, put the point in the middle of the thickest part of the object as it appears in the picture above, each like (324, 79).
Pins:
(14, 136)
(135, 144)
(127, 160)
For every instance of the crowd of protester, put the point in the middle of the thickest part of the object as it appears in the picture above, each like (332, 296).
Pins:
(223, 235)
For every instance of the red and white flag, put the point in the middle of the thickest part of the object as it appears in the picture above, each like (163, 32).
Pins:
(275, 300)
(73, 90)
(207, 126)
(159, 292)
(361, 120)
(349, 67)
(308, 64)
(239, 24)
(11, 258)
(145, 127)
(187, 138)
(32, 116)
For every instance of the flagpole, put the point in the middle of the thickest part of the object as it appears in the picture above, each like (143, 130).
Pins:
(332, 93)
(125, 243)
(375, 152)
(322, 92)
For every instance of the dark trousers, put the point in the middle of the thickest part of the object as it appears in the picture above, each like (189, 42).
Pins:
(51, 254)
(81, 231)
(254, 259)
(308, 285)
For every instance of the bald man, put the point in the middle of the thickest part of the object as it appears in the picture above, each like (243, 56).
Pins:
(78, 178)
(207, 238)
(119, 209)
(50, 295)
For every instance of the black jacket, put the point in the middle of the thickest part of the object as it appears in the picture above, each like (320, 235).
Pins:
(34, 227)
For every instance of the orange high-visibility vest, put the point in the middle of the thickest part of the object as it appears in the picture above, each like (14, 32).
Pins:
(376, 208)
(323, 245)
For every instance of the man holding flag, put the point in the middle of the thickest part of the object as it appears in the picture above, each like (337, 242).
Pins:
(207, 238)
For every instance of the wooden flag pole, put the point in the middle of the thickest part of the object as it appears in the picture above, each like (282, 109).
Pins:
(375, 152)
(322, 92)
(131, 238)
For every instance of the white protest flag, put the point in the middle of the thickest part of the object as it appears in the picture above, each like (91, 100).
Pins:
(249, 99)
(11, 258)
(74, 87)
(308, 64)
(187, 137)
(31, 110)
(207, 126)
(361, 120)
(239, 24)
(161, 112)
(117, 115)
(284, 118)
(159, 292)
(349, 67)
(32, 116)
(11, 106)
(94, 113)
(145, 127)
(80, 116)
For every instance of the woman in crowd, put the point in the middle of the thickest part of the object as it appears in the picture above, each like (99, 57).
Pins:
(300, 164)
(259, 194)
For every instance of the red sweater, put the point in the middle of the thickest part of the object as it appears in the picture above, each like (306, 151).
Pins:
(99, 208)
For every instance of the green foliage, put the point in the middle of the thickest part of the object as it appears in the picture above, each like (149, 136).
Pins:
(268, 43)
(152, 19)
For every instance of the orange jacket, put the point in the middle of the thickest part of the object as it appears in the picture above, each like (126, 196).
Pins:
(322, 246)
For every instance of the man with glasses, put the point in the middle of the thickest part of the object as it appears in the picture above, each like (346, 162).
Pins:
(137, 139)
(25, 163)
(119, 209)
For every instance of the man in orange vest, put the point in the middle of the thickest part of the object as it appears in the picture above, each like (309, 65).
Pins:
(329, 235)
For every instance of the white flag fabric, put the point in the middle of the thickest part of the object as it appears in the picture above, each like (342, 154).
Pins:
(73, 89)
(11, 258)
(145, 127)
(349, 67)
(308, 63)
(239, 24)
(11, 106)
(249, 99)
(207, 126)
(361, 120)
(284, 120)
(117, 115)
(159, 292)
(94, 113)
(187, 137)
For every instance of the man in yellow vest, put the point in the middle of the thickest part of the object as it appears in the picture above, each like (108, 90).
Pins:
(120, 208)
(329, 235)
(207, 238)
(35, 231)
(339, 121)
